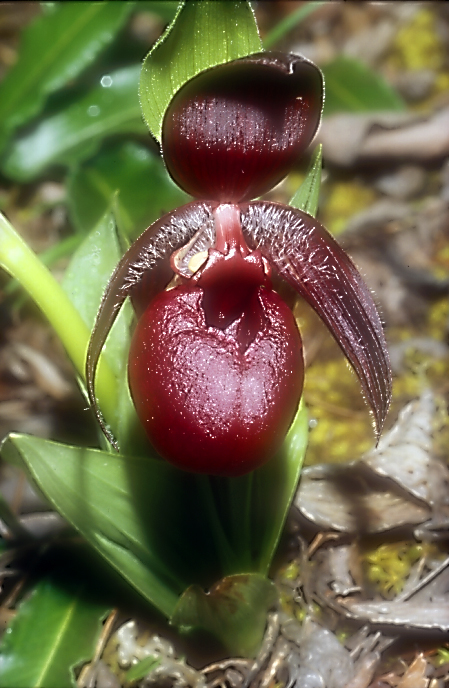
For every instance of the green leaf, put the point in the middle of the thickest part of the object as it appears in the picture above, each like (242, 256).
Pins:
(142, 668)
(92, 490)
(54, 629)
(290, 21)
(275, 485)
(133, 510)
(84, 282)
(54, 49)
(247, 514)
(76, 133)
(203, 34)
(307, 196)
(353, 87)
(21, 262)
(132, 177)
(234, 611)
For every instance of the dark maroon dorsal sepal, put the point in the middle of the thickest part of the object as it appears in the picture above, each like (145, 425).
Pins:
(234, 131)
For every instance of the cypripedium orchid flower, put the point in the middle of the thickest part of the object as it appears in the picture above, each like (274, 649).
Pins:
(215, 365)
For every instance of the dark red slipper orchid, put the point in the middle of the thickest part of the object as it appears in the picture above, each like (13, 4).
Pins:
(233, 132)
(215, 364)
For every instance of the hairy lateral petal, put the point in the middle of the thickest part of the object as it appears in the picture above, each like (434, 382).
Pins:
(144, 271)
(307, 256)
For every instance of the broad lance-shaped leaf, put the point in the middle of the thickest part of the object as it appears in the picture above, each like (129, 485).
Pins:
(307, 256)
(129, 177)
(84, 282)
(132, 510)
(55, 48)
(74, 134)
(55, 629)
(114, 502)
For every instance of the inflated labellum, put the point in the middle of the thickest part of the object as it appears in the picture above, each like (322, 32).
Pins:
(215, 365)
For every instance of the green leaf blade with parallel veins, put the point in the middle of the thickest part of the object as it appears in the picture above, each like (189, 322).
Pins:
(110, 108)
(128, 177)
(202, 35)
(55, 629)
(275, 486)
(84, 282)
(351, 86)
(91, 490)
(307, 196)
(55, 48)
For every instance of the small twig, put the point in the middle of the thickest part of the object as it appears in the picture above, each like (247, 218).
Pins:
(427, 579)
(102, 640)
(269, 640)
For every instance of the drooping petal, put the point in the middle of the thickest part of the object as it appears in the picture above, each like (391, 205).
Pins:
(307, 256)
(234, 131)
(144, 271)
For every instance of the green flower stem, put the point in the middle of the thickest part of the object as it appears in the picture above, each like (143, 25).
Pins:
(240, 503)
(63, 248)
(21, 262)
(226, 555)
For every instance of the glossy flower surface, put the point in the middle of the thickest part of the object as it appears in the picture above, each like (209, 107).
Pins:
(215, 366)
(216, 372)
(233, 133)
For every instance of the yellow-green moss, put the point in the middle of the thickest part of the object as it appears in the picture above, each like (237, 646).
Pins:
(442, 655)
(418, 45)
(291, 571)
(344, 199)
(442, 82)
(440, 262)
(342, 426)
(389, 565)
